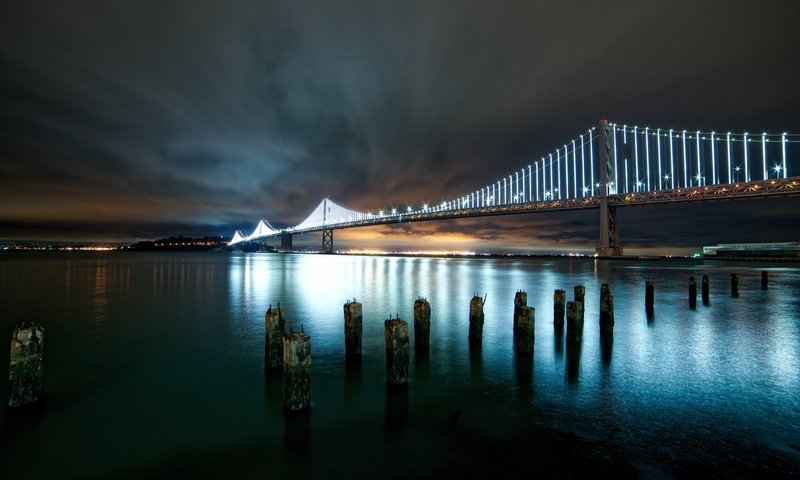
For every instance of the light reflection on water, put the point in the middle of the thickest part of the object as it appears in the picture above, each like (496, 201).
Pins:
(169, 349)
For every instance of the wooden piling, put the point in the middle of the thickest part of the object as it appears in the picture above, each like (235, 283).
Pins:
(559, 299)
(764, 280)
(649, 295)
(606, 310)
(524, 334)
(692, 292)
(275, 324)
(520, 303)
(395, 334)
(574, 322)
(353, 326)
(704, 290)
(734, 285)
(422, 325)
(25, 373)
(579, 292)
(296, 371)
(476, 318)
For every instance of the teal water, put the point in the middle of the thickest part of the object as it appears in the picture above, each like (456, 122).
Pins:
(154, 366)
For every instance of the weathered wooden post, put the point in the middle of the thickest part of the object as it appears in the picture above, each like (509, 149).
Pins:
(559, 298)
(764, 280)
(649, 295)
(296, 371)
(574, 322)
(692, 292)
(580, 294)
(606, 310)
(422, 325)
(704, 290)
(25, 373)
(520, 302)
(734, 285)
(274, 323)
(524, 334)
(395, 333)
(476, 318)
(352, 329)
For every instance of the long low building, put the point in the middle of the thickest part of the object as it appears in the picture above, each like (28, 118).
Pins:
(773, 250)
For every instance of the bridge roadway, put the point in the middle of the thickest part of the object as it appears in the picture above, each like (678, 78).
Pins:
(753, 189)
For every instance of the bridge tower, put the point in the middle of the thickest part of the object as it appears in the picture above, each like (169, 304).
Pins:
(327, 234)
(286, 242)
(609, 231)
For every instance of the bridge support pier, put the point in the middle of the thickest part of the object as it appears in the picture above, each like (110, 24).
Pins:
(327, 241)
(286, 242)
(609, 234)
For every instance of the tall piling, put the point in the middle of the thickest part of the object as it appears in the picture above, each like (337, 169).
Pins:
(734, 285)
(422, 325)
(395, 333)
(273, 351)
(649, 295)
(25, 373)
(579, 292)
(559, 299)
(520, 303)
(524, 334)
(764, 280)
(606, 310)
(296, 371)
(704, 290)
(352, 329)
(692, 292)
(476, 318)
(574, 322)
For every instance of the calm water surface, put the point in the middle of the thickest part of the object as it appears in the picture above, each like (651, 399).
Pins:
(154, 365)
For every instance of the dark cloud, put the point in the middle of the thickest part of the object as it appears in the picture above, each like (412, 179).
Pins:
(124, 116)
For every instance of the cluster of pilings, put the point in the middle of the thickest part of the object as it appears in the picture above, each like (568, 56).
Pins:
(705, 290)
(291, 352)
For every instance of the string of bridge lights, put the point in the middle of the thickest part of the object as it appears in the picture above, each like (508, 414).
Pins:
(644, 159)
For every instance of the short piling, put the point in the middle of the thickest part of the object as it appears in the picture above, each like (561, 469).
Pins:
(692, 292)
(422, 325)
(734, 285)
(764, 280)
(606, 310)
(524, 334)
(704, 290)
(520, 303)
(395, 332)
(559, 299)
(274, 323)
(25, 373)
(476, 318)
(352, 329)
(296, 371)
(649, 295)
(574, 322)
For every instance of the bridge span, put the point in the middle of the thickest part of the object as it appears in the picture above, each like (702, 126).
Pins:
(608, 167)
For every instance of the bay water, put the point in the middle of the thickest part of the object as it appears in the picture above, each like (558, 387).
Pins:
(154, 367)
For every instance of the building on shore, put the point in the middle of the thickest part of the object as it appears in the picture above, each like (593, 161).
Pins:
(754, 251)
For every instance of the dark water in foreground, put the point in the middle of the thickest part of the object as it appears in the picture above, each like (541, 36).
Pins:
(154, 367)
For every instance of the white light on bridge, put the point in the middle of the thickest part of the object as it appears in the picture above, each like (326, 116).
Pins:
(746, 173)
(764, 153)
(783, 153)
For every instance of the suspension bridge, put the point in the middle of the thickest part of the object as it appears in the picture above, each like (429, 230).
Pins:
(607, 167)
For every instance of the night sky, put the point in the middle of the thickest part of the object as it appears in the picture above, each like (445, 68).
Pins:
(135, 120)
